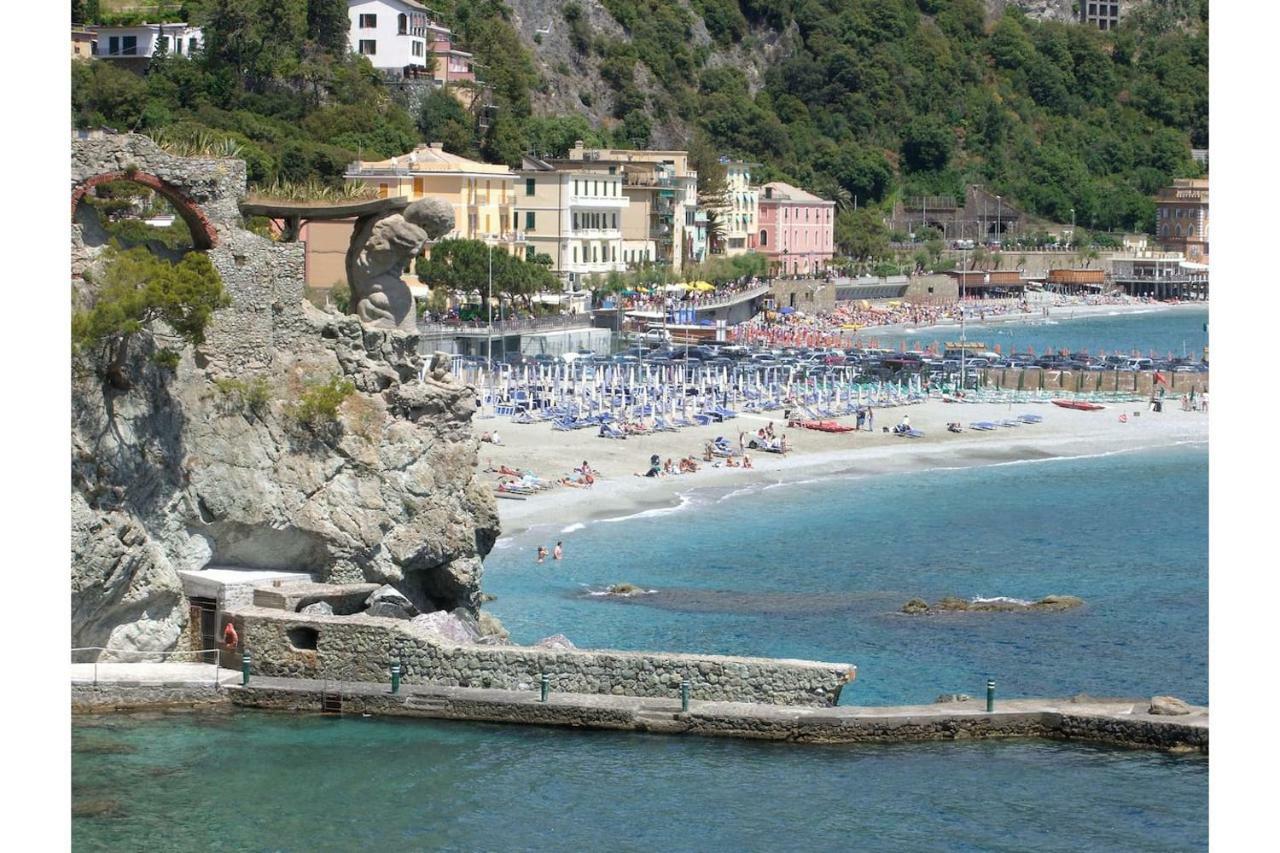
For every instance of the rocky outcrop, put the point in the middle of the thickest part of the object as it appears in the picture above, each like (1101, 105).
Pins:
(951, 604)
(209, 463)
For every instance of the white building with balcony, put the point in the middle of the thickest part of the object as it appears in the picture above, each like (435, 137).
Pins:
(572, 212)
(141, 42)
(399, 36)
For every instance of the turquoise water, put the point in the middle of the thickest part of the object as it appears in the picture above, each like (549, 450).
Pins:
(1162, 331)
(819, 570)
(812, 570)
(304, 783)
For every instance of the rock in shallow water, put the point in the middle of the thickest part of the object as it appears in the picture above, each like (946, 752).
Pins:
(555, 641)
(952, 604)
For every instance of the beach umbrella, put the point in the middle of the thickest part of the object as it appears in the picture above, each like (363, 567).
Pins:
(703, 286)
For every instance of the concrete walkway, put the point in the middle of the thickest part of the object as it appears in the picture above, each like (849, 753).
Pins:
(152, 674)
(1116, 721)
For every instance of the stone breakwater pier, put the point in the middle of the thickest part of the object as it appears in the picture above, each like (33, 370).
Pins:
(1116, 722)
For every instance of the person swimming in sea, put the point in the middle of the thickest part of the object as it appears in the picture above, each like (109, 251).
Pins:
(542, 554)
(558, 552)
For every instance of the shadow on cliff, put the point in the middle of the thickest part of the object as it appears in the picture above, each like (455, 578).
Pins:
(129, 451)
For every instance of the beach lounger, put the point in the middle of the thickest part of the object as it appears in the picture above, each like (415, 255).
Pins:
(982, 425)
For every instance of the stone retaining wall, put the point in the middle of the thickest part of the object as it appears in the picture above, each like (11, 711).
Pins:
(359, 648)
(102, 698)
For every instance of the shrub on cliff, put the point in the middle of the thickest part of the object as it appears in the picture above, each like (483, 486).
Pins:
(137, 289)
(318, 402)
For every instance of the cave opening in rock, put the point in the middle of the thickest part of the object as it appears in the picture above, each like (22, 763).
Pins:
(303, 638)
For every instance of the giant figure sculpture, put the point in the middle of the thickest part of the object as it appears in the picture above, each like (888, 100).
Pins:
(380, 248)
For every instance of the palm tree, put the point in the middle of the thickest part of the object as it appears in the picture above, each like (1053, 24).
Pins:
(715, 232)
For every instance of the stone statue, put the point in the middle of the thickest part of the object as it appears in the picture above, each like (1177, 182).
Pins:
(380, 248)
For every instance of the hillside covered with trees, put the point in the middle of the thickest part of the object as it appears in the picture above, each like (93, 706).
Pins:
(858, 99)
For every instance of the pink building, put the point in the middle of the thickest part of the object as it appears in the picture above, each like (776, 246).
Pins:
(797, 229)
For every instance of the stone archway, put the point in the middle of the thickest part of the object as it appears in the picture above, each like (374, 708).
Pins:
(203, 235)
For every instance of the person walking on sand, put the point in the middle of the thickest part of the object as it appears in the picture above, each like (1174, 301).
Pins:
(542, 554)
(558, 553)
(871, 420)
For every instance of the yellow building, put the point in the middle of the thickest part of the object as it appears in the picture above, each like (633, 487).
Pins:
(740, 213)
(481, 193)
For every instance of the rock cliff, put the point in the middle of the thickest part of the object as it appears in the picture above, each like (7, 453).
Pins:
(209, 463)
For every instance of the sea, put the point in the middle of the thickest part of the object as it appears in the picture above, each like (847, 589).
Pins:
(814, 569)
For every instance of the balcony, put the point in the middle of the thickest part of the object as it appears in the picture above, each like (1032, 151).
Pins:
(598, 202)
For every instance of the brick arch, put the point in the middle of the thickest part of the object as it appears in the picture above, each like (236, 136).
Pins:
(203, 235)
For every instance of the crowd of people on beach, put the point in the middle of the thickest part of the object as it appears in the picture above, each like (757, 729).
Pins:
(832, 328)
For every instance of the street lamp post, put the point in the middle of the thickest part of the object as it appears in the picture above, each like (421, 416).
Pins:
(1073, 225)
(998, 218)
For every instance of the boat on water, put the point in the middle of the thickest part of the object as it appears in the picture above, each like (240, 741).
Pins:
(1079, 405)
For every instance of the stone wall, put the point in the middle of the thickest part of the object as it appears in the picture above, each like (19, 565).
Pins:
(1095, 381)
(105, 698)
(359, 648)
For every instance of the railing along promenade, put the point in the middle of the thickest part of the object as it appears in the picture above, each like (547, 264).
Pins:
(506, 326)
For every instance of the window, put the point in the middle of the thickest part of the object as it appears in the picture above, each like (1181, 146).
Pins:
(595, 188)
(128, 46)
(595, 254)
(162, 44)
(613, 170)
(368, 47)
(615, 220)
(368, 22)
(575, 254)
(575, 187)
(417, 48)
(515, 220)
(402, 23)
(764, 238)
(529, 184)
(528, 220)
(192, 45)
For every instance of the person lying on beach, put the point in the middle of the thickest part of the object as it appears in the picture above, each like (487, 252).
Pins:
(668, 467)
(503, 469)
(953, 427)
(688, 465)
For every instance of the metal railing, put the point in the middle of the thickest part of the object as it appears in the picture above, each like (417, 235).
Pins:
(558, 321)
(143, 658)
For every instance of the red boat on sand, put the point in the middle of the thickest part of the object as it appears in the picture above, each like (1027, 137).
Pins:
(1079, 405)
(822, 426)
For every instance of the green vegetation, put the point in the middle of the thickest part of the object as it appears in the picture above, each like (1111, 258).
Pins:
(865, 101)
(136, 290)
(250, 396)
(464, 265)
(318, 402)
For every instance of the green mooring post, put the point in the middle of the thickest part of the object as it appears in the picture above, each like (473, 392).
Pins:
(544, 684)
(244, 668)
(395, 676)
(991, 695)
(684, 696)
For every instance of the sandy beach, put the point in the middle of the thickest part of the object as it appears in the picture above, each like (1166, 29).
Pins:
(551, 454)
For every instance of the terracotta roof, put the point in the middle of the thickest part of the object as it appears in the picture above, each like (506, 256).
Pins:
(426, 158)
